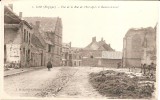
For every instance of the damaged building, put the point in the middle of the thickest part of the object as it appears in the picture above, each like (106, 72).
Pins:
(31, 42)
(139, 47)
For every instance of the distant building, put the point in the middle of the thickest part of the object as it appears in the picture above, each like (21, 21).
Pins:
(66, 49)
(139, 47)
(104, 58)
(51, 30)
(70, 55)
(95, 54)
(75, 57)
(101, 45)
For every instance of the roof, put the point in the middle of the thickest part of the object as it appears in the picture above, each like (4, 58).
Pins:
(36, 42)
(10, 16)
(111, 55)
(76, 48)
(47, 38)
(66, 45)
(43, 36)
(101, 45)
(47, 23)
(47, 26)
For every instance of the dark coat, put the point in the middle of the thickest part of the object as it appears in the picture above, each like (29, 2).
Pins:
(49, 65)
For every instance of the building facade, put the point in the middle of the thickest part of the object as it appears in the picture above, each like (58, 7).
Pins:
(66, 48)
(17, 38)
(92, 54)
(51, 30)
(139, 47)
(31, 41)
(71, 55)
(102, 59)
(75, 57)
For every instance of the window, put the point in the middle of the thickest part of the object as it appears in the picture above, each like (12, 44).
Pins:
(91, 56)
(29, 38)
(24, 37)
(49, 48)
(24, 51)
(4, 53)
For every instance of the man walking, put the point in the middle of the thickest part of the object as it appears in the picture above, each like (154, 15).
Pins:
(49, 65)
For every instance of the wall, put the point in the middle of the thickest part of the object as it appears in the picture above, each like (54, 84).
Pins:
(13, 53)
(90, 62)
(26, 45)
(110, 62)
(89, 53)
(57, 36)
(100, 62)
(136, 44)
(9, 35)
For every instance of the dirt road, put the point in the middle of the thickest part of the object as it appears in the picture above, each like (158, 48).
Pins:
(59, 82)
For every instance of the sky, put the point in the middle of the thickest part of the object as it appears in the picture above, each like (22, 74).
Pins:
(81, 24)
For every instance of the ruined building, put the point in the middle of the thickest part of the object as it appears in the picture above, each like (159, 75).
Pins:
(50, 28)
(139, 47)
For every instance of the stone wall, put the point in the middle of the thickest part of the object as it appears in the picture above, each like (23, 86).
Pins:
(112, 63)
(136, 44)
(98, 62)
(90, 62)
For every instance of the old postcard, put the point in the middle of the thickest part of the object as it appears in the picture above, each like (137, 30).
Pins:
(79, 49)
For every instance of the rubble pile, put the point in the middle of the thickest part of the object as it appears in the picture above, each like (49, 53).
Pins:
(121, 85)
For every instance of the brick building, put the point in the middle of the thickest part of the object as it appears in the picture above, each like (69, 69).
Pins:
(51, 30)
(93, 54)
(31, 41)
(75, 57)
(66, 48)
(17, 38)
(102, 58)
(139, 47)
(70, 55)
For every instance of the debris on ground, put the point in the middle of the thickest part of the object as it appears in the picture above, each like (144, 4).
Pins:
(121, 85)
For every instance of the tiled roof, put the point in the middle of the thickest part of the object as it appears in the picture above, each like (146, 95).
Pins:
(46, 23)
(111, 55)
(47, 38)
(36, 42)
(101, 45)
(92, 46)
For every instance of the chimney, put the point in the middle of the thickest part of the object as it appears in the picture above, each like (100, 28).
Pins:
(20, 14)
(38, 24)
(93, 39)
(102, 39)
(10, 6)
(70, 44)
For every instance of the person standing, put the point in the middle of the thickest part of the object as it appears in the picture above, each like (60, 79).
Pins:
(49, 65)
(144, 69)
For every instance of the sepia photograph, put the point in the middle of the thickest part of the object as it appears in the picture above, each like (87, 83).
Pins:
(79, 49)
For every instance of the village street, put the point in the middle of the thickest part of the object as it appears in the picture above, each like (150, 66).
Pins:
(59, 82)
